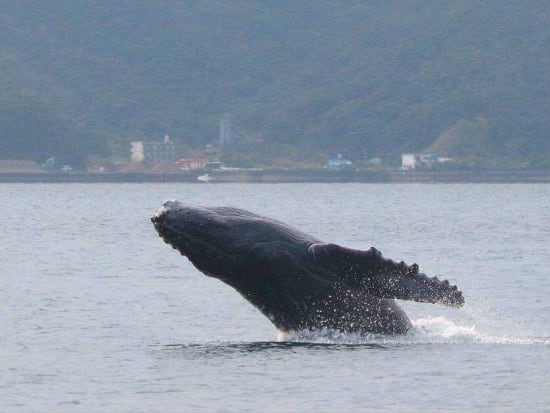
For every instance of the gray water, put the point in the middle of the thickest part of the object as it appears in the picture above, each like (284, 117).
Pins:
(99, 315)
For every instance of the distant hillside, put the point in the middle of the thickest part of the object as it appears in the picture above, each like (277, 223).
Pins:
(360, 78)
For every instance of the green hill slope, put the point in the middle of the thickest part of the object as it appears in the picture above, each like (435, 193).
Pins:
(362, 78)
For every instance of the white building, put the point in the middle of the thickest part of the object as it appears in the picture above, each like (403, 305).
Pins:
(137, 150)
(413, 160)
(153, 152)
(409, 161)
(189, 164)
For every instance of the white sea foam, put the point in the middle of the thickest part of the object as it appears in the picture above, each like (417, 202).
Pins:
(429, 330)
(441, 329)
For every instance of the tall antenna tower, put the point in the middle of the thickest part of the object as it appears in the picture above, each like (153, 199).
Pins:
(226, 137)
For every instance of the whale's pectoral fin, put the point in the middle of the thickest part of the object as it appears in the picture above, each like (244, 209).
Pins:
(384, 277)
(417, 286)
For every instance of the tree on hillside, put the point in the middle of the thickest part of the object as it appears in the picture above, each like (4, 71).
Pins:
(31, 129)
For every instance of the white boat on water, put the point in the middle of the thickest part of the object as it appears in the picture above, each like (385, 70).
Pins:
(204, 178)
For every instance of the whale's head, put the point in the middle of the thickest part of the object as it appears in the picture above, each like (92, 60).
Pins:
(223, 230)
(189, 228)
(214, 239)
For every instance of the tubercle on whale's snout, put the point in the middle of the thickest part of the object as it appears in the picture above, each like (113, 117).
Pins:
(158, 216)
(159, 219)
(170, 208)
(167, 207)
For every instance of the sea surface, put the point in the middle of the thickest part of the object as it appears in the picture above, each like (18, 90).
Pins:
(97, 314)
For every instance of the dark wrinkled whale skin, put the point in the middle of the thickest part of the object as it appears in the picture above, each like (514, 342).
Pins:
(297, 281)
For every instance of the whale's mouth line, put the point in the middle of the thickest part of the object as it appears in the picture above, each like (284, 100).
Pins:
(182, 242)
(164, 230)
(169, 234)
(163, 227)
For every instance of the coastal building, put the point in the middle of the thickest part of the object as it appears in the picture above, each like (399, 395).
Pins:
(409, 161)
(154, 152)
(412, 160)
(338, 164)
(214, 165)
(189, 164)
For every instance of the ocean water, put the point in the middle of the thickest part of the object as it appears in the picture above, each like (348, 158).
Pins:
(99, 315)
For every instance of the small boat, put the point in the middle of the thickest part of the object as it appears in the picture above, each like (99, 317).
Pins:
(204, 178)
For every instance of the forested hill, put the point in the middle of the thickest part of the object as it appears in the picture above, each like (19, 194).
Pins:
(361, 78)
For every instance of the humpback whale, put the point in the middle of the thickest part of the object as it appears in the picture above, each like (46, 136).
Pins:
(297, 281)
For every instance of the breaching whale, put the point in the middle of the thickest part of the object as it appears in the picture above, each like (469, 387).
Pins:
(297, 281)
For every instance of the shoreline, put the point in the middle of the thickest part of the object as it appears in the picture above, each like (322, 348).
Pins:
(285, 176)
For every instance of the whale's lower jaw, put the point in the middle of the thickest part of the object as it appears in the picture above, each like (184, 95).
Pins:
(171, 238)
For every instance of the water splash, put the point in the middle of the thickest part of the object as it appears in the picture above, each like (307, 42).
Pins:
(441, 329)
(426, 331)
(430, 330)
